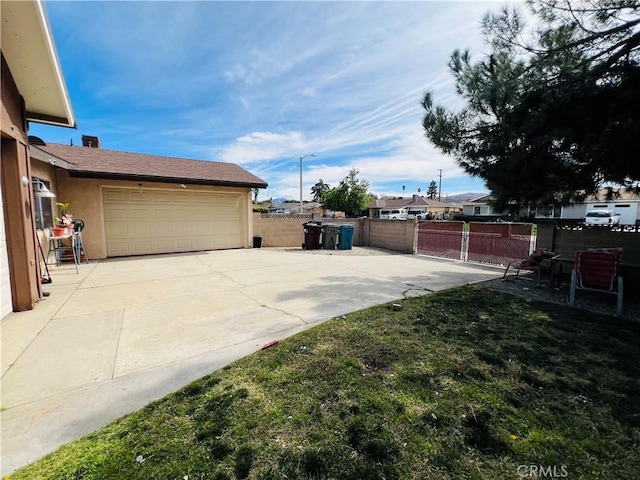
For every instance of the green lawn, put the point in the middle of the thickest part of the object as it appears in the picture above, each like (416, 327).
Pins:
(469, 383)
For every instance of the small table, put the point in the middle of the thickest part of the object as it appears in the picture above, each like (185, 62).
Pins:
(557, 263)
(57, 246)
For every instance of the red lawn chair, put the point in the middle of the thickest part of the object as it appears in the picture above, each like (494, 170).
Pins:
(535, 263)
(597, 271)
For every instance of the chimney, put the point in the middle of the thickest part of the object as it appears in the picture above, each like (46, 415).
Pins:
(90, 141)
(415, 197)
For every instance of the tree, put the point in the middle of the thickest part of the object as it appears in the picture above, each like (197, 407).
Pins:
(551, 118)
(350, 196)
(319, 189)
(403, 187)
(432, 191)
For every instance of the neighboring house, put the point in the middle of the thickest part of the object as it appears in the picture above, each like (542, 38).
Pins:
(293, 208)
(33, 90)
(624, 202)
(134, 204)
(481, 207)
(418, 207)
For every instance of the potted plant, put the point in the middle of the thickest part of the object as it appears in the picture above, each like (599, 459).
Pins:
(65, 221)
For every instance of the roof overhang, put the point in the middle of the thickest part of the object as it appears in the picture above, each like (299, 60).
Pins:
(157, 179)
(28, 47)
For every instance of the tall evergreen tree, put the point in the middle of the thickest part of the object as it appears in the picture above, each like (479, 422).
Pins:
(553, 117)
(319, 189)
(432, 191)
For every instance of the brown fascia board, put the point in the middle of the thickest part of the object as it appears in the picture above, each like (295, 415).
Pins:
(156, 179)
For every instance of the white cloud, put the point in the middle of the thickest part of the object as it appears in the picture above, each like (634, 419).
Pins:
(258, 146)
(261, 83)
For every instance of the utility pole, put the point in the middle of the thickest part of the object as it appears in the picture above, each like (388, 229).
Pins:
(440, 185)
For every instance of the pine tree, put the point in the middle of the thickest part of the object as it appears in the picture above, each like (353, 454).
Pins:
(432, 191)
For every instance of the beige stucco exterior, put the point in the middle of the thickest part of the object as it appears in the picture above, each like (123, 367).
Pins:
(84, 196)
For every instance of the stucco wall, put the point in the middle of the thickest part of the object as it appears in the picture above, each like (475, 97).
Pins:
(84, 196)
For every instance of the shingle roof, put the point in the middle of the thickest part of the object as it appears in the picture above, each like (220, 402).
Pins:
(101, 163)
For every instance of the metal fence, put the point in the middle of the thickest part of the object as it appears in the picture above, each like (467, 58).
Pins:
(441, 239)
(492, 243)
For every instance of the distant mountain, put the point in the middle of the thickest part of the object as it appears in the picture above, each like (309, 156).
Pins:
(464, 197)
(279, 200)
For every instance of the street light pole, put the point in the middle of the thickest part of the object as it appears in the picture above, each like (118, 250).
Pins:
(304, 156)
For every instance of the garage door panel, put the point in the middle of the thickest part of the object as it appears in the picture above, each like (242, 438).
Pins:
(163, 221)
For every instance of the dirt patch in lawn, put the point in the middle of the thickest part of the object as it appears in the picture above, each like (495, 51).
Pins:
(602, 303)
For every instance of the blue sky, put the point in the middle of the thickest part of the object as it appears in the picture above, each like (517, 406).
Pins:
(260, 84)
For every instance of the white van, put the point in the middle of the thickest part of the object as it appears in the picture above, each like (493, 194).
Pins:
(393, 214)
(602, 217)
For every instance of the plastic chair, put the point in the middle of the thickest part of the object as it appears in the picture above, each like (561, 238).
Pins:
(597, 271)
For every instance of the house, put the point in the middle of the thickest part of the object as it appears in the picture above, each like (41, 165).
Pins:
(418, 207)
(482, 207)
(623, 201)
(33, 90)
(136, 204)
(293, 208)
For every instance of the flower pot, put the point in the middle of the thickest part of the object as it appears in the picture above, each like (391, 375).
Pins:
(61, 230)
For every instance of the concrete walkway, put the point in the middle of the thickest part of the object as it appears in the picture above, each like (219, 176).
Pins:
(124, 332)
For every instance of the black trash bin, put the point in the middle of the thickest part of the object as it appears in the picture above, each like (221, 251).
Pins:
(312, 231)
(330, 237)
(257, 242)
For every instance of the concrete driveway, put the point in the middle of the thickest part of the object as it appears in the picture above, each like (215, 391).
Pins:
(124, 332)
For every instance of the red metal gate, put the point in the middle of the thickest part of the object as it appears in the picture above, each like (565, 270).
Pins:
(493, 243)
(499, 243)
(440, 239)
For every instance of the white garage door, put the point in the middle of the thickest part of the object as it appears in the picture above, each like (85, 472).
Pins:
(6, 306)
(156, 221)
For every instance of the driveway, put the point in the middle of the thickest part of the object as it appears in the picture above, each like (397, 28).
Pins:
(124, 332)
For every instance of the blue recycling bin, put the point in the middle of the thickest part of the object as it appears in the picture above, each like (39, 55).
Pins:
(346, 237)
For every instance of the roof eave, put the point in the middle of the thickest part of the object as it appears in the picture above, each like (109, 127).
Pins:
(162, 179)
(30, 52)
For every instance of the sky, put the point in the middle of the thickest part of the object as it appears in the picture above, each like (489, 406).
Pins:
(261, 84)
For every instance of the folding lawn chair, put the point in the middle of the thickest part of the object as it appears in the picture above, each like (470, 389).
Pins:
(535, 263)
(597, 271)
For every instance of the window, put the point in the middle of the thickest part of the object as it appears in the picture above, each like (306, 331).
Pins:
(483, 210)
(42, 207)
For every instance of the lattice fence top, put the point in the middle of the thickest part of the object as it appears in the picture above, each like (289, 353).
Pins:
(576, 227)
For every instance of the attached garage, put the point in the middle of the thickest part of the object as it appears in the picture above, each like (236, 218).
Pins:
(148, 221)
(140, 204)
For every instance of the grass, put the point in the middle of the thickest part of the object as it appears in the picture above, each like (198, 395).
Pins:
(465, 384)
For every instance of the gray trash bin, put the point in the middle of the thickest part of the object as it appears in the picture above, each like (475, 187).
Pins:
(330, 236)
